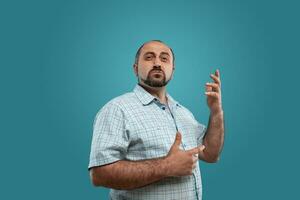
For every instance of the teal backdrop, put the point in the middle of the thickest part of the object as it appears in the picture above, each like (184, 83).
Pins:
(61, 61)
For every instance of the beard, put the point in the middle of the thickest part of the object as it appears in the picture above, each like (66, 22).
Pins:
(156, 79)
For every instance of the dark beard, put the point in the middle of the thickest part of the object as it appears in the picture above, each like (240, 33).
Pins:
(155, 83)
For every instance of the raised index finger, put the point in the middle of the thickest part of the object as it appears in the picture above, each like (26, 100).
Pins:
(215, 78)
(217, 73)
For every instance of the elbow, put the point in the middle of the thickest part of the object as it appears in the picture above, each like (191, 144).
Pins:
(212, 159)
(95, 180)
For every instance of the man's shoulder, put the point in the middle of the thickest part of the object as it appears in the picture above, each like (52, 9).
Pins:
(122, 101)
(179, 105)
(183, 108)
(186, 110)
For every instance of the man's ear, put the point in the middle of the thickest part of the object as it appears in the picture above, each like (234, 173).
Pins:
(172, 73)
(135, 69)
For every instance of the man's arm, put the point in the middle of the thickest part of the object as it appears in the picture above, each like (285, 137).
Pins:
(214, 136)
(126, 175)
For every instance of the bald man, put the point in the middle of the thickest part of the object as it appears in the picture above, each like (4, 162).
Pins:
(145, 144)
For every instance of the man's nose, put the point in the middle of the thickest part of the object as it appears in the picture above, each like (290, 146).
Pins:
(156, 63)
(156, 66)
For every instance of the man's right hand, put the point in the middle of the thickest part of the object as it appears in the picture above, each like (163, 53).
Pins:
(180, 162)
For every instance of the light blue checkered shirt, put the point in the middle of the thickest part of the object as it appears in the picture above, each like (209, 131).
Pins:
(136, 126)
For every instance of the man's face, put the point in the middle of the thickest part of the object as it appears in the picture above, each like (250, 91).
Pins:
(155, 64)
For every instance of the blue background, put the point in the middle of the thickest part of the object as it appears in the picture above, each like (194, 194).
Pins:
(61, 61)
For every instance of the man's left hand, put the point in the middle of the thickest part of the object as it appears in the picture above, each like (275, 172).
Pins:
(213, 93)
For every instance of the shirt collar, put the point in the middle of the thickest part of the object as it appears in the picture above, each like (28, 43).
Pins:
(146, 98)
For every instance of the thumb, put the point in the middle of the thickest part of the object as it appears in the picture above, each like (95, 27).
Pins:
(177, 140)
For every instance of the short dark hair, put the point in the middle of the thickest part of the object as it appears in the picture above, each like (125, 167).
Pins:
(137, 55)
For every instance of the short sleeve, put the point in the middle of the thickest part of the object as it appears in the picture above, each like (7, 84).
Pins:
(109, 142)
(201, 130)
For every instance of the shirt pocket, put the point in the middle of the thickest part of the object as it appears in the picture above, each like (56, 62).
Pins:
(150, 142)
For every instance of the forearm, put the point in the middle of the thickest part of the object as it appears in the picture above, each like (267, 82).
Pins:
(126, 175)
(214, 137)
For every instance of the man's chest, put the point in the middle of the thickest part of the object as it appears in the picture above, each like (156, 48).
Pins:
(152, 131)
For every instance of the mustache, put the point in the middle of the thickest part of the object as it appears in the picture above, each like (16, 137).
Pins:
(156, 70)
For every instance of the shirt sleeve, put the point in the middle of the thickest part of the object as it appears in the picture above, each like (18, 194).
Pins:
(200, 133)
(109, 142)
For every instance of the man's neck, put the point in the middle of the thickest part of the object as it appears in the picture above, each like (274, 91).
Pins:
(158, 92)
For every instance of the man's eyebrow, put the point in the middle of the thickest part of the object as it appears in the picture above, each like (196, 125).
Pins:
(164, 53)
(149, 52)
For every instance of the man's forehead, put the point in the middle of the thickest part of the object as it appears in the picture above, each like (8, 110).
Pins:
(154, 46)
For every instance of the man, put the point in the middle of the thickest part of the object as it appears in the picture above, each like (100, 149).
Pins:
(145, 144)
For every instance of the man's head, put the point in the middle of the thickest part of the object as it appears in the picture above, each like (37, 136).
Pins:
(154, 64)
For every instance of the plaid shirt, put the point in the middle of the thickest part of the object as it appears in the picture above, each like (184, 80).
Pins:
(136, 126)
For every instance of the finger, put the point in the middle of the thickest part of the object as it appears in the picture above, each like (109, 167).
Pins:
(215, 87)
(177, 141)
(196, 150)
(208, 88)
(201, 155)
(216, 79)
(212, 94)
(218, 73)
(201, 148)
(193, 151)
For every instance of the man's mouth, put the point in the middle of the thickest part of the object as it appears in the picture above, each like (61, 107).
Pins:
(156, 71)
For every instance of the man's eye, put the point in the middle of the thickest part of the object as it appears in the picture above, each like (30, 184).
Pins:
(164, 58)
(148, 57)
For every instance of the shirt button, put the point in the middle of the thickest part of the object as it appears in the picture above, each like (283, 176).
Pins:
(163, 108)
